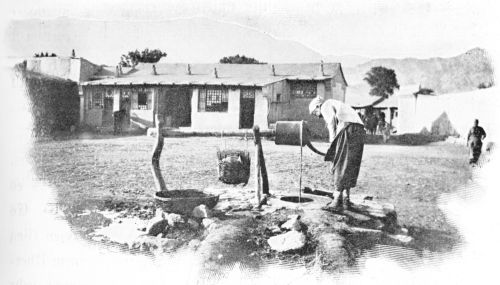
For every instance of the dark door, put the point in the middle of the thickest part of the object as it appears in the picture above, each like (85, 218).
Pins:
(247, 108)
(107, 112)
(125, 105)
(176, 107)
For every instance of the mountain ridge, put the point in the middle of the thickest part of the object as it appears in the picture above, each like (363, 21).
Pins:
(463, 72)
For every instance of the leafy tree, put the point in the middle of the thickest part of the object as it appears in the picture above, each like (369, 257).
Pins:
(424, 91)
(382, 80)
(132, 58)
(237, 59)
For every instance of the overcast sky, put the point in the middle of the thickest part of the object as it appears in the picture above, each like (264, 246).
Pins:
(368, 28)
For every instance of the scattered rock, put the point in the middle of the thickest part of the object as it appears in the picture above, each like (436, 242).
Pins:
(401, 238)
(224, 207)
(274, 229)
(146, 243)
(193, 224)
(291, 240)
(168, 244)
(200, 211)
(157, 227)
(331, 248)
(194, 244)
(243, 207)
(209, 222)
(293, 223)
(92, 220)
(160, 213)
(174, 219)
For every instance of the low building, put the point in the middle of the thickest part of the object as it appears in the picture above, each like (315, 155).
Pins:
(359, 98)
(209, 97)
(76, 69)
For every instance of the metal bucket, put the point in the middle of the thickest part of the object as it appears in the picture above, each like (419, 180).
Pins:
(288, 133)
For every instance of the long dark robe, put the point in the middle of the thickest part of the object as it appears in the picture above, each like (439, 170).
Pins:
(475, 143)
(345, 153)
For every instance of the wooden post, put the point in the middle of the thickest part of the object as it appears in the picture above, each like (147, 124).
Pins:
(263, 170)
(260, 167)
(256, 135)
(155, 161)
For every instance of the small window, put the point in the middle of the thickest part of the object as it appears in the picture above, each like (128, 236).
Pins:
(278, 97)
(212, 100)
(141, 100)
(303, 89)
(248, 93)
(97, 101)
(328, 85)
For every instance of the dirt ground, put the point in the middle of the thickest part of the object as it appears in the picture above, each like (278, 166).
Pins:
(116, 171)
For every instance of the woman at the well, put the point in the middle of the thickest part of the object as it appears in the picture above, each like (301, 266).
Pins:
(347, 136)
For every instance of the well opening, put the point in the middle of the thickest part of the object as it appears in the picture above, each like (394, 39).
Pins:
(296, 199)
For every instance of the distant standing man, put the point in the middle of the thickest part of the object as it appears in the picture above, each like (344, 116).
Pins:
(347, 137)
(474, 139)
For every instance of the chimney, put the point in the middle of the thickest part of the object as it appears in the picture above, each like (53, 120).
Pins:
(154, 70)
(118, 71)
(321, 69)
(189, 69)
(215, 73)
(274, 71)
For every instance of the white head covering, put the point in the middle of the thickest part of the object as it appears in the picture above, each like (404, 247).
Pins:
(315, 103)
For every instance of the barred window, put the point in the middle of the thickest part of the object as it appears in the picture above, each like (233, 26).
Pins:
(303, 89)
(212, 100)
(97, 100)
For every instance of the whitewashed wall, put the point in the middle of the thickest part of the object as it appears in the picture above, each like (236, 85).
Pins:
(216, 121)
(261, 110)
(460, 108)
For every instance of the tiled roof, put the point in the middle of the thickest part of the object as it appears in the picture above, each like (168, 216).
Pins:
(228, 74)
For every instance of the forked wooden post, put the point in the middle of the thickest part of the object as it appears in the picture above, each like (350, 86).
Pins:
(155, 161)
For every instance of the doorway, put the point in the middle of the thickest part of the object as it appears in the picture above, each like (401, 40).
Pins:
(125, 105)
(107, 112)
(247, 108)
(175, 107)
